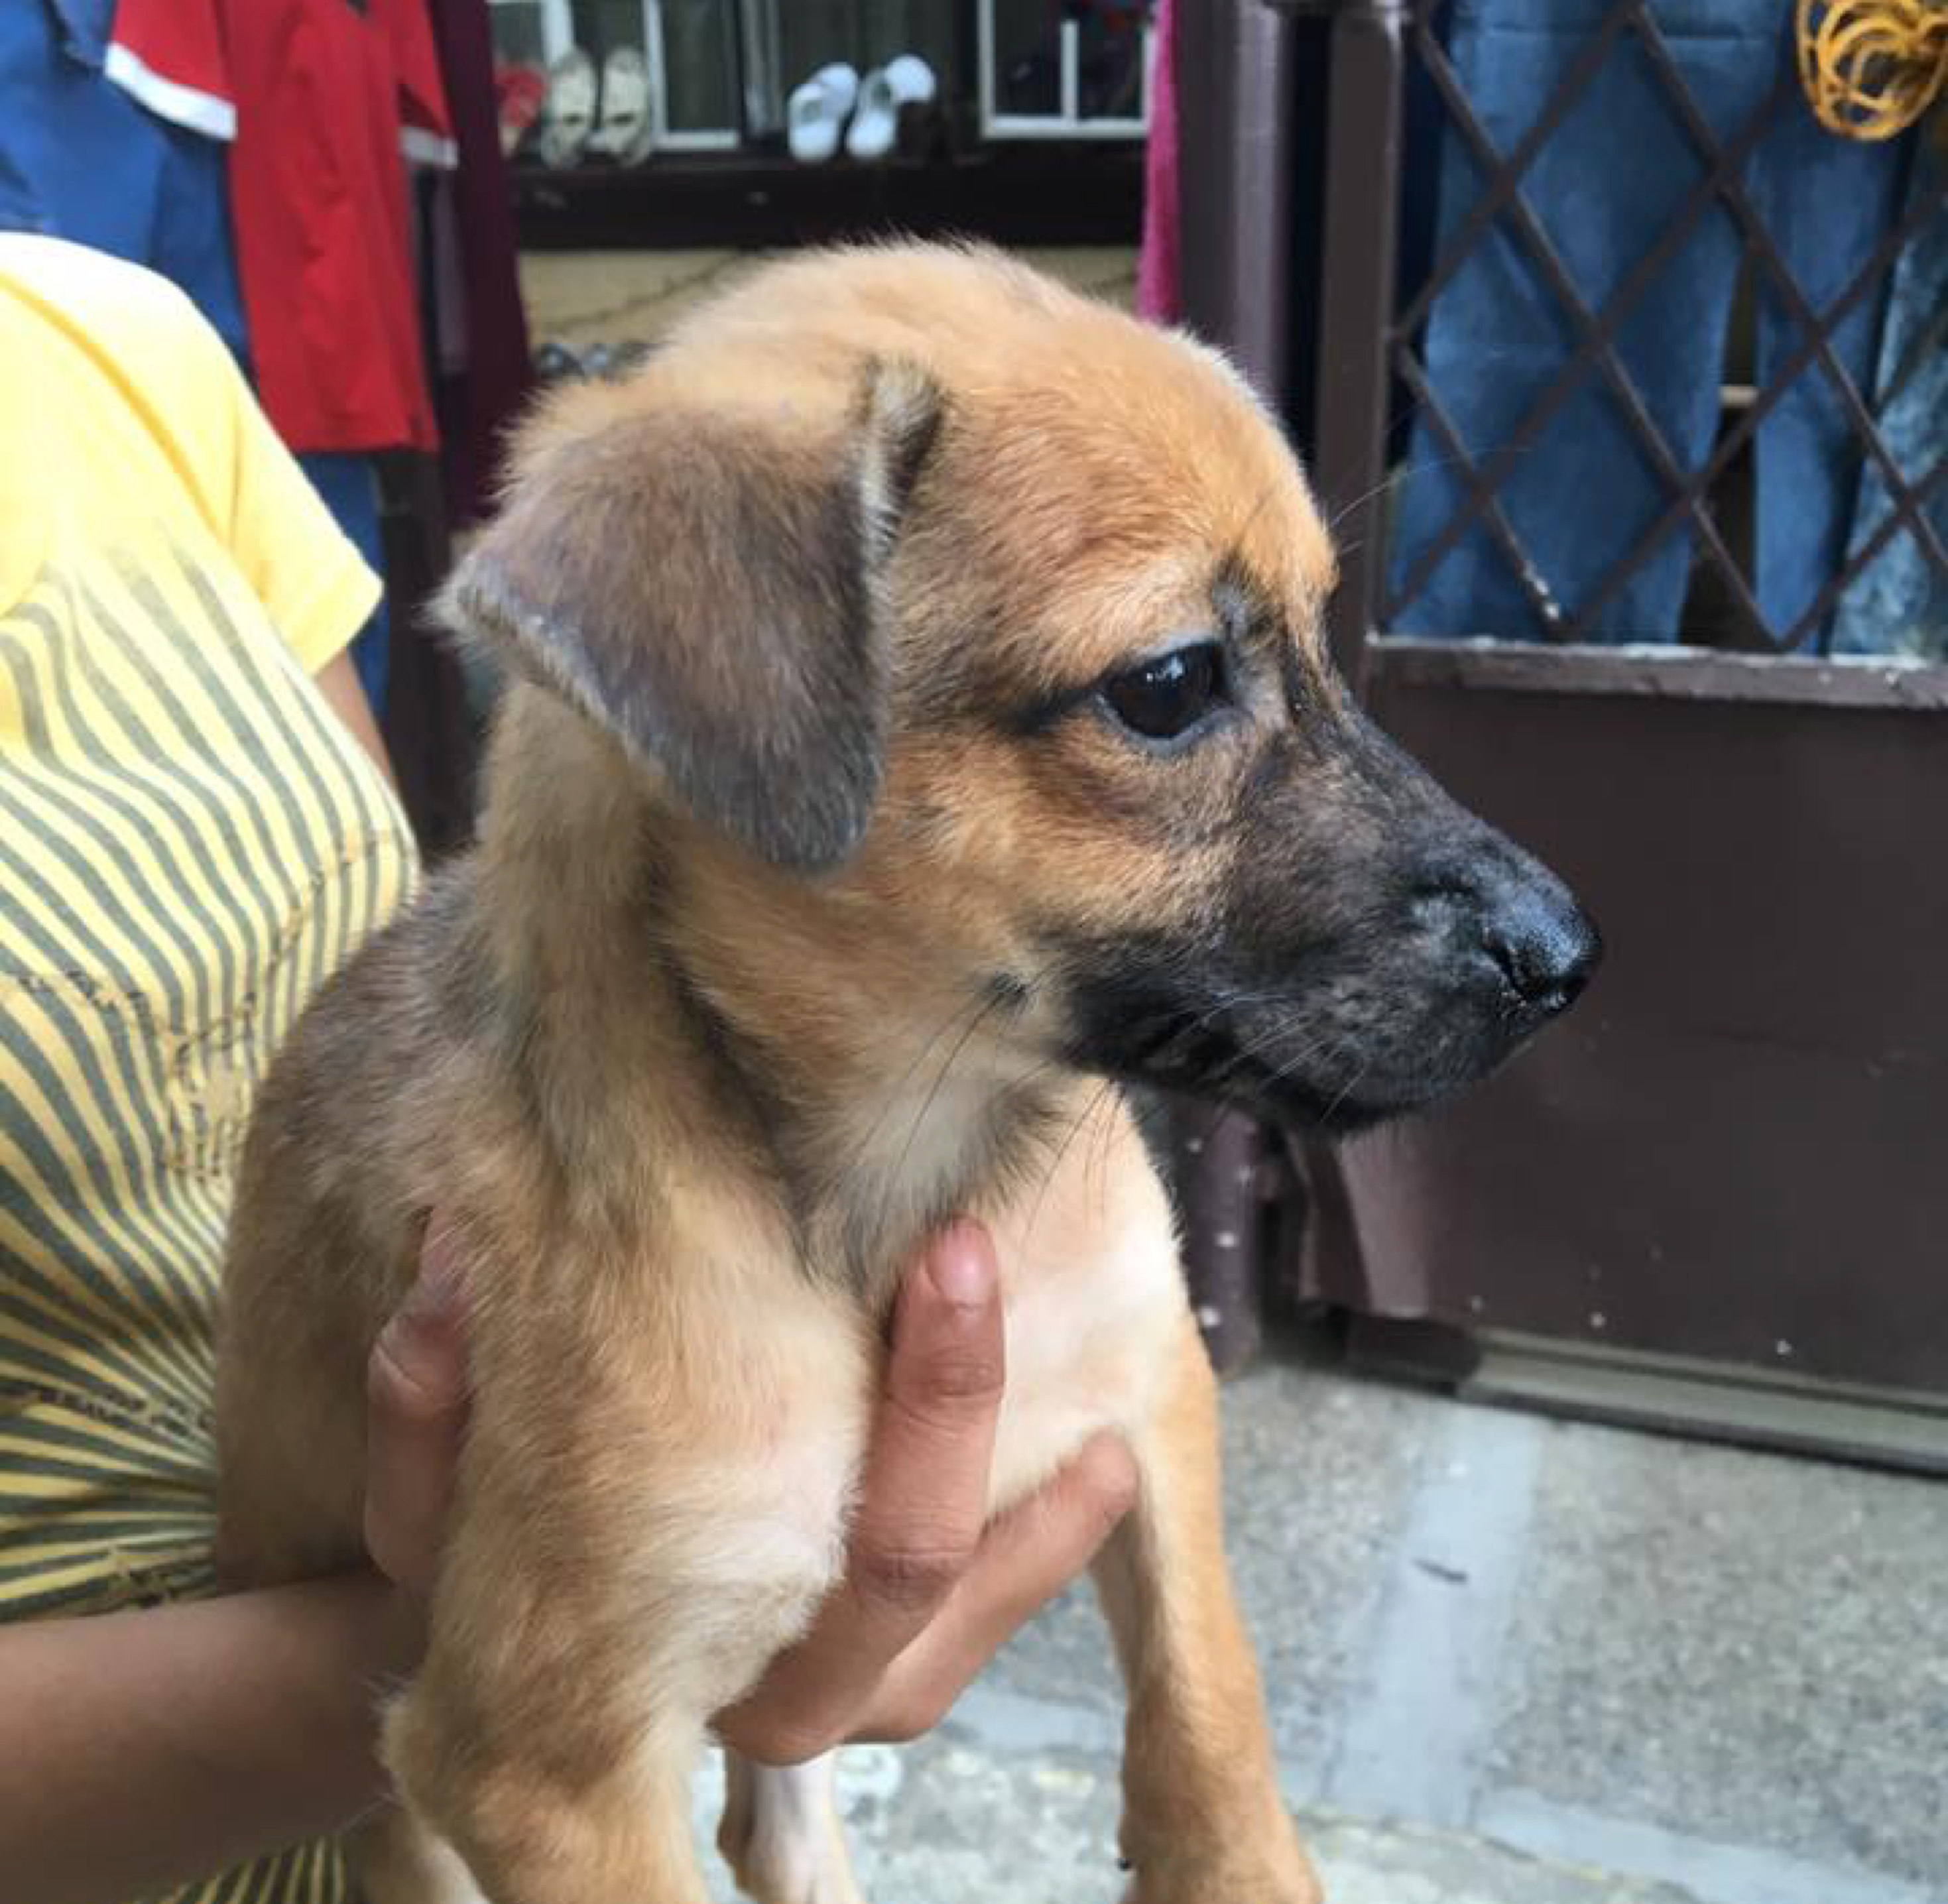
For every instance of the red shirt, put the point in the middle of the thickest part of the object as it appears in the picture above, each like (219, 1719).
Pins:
(327, 95)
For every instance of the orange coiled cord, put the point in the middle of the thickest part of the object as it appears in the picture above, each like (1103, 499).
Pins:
(1871, 68)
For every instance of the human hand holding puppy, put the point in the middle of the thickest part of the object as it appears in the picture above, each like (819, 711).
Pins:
(179, 1718)
(931, 1591)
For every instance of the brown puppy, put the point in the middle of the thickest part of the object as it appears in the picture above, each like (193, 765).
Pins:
(922, 717)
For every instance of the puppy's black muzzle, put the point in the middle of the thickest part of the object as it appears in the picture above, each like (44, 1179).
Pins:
(1380, 947)
(1514, 933)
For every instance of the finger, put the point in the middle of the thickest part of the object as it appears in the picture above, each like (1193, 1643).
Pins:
(416, 1397)
(1025, 1559)
(923, 1500)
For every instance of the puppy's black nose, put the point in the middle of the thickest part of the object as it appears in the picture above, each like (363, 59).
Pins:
(1543, 944)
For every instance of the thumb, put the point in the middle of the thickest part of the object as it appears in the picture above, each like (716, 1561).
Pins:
(416, 1410)
(947, 1367)
(924, 1497)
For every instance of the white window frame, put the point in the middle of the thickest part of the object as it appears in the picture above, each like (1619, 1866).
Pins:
(701, 138)
(1069, 123)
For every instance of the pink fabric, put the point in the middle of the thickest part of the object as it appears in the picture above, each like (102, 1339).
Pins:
(1156, 265)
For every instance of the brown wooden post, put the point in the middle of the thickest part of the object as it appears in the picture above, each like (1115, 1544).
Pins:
(1235, 106)
(1362, 162)
(1235, 182)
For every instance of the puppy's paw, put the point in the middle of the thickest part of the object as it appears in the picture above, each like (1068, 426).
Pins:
(767, 1878)
(781, 1836)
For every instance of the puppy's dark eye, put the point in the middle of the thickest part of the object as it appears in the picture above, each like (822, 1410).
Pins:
(1164, 698)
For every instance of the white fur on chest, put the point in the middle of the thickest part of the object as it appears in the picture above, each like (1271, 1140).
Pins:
(1095, 1305)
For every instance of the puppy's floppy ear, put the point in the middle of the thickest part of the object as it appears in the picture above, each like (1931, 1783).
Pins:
(707, 583)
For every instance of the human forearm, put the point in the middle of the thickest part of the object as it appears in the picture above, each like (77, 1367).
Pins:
(146, 1748)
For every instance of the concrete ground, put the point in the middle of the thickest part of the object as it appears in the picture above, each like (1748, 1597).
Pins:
(1510, 1661)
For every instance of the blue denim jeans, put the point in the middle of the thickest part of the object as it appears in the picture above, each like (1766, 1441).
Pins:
(1898, 604)
(1604, 186)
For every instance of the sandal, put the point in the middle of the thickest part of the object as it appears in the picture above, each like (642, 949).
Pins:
(816, 111)
(567, 113)
(884, 94)
(626, 133)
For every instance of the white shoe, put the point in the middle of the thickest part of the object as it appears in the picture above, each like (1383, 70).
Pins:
(906, 81)
(624, 133)
(816, 110)
(567, 113)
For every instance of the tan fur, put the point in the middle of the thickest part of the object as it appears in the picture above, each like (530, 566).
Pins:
(678, 1315)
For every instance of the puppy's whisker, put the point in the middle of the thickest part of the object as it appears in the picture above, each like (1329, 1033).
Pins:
(1392, 480)
(1091, 1105)
(1345, 1091)
(1315, 1048)
(1096, 1163)
(1096, 1157)
(976, 1004)
(986, 1007)
(1402, 471)
(1308, 1054)
(988, 1003)
(1238, 1001)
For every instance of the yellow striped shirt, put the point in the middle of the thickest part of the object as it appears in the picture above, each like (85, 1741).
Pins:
(189, 843)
